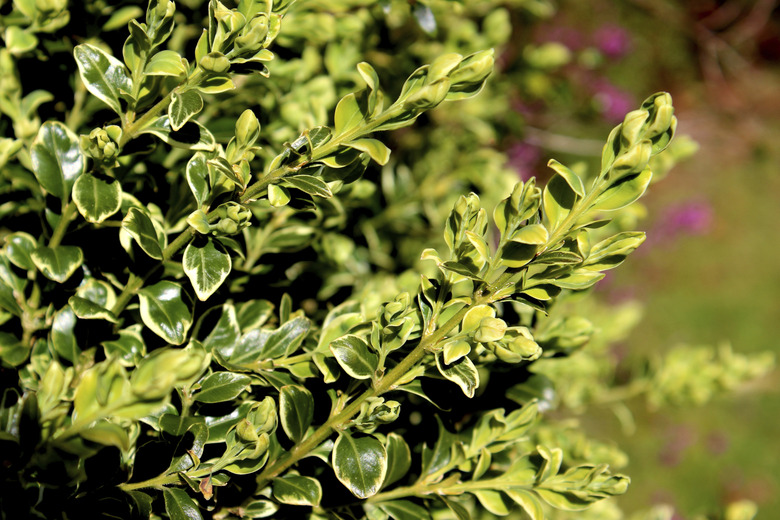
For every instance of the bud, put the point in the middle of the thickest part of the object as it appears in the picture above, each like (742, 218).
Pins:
(634, 160)
(473, 69)
(662, 121)
(102, 145)
(490, 329)
(442, 66)
(428, 96)
(215, 62)
(164, 9)
(263, 415)
(632, 127)
(247, 129)
(50, 8)
(226, 227)
(246, 431)
(252, 37)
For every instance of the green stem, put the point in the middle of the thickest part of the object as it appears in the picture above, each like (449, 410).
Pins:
(131, 131)
(68, 213)
(384, 385)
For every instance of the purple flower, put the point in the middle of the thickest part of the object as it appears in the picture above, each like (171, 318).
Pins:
(694, 218)
(613, 102)
(613, 41)
(522, 157)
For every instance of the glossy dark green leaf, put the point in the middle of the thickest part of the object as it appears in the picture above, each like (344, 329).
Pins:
(296, 411)
(129, 347)
(183, 107)
(191, 136)
(89, 310)
(57, 159)
(296, 490)
(8, 300)
(165, 312)
(260, 509)
(57, 263)
(462, 372)
(140, 226)
(104, 76)
(62, 336)
(287, 338)
(197, 173)
(309, 184)
(222, 386)
(226, 332)
(460, 512)
(142, 503)
(354, 356)
(399, 459)
(404, 510)
(97, 197)
(18, 248)
(179, 505)
(360, 464)
(207, 265)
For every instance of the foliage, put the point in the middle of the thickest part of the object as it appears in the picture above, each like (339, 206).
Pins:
(218, 304)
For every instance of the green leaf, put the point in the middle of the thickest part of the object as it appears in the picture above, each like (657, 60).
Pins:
(207, 265)
(97, 197)
(197, 173)
(349, 114)
(572, 179)
(287, 338)
(57, 263)
(164, 311)
(222, 386)
(129, 347)
(623, 192)
(103, 75)
(527, 501)
(535, 234)
(611, 252)
(62, 337)
(260, 509)
(295, 490)
(226, 332)
(376, 149)
(19, 41)
(18, 248)
(309, 184)
(296, 410)
(121, 17)
(404, 510)
(216, 84)
(460, 512)
(107, 434)
(360, 464)
(57, 159)
(492, 501)
(142, 228)
(89, 310)
(191, 136)
(165, 63)
(462, 372)
(558, 200)
(399, 459)
(179, 505)
(183, 107)
(354, 356)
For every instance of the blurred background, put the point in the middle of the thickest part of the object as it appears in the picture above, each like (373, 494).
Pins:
(708, 273)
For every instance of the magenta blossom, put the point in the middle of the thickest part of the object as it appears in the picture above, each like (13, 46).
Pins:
(522, 157)
(613, 41)
(613, 102)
